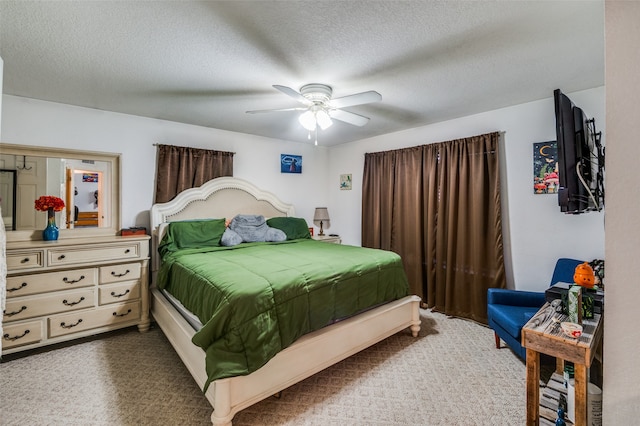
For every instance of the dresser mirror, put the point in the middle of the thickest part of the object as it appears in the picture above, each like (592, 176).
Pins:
(88, 183)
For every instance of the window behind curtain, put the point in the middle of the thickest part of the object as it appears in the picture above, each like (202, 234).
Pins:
(180, 168)
(438, 206)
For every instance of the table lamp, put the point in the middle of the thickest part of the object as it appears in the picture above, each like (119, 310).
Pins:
(321, 219)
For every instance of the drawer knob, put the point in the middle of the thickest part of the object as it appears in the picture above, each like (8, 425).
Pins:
(113, 293)
(23, 285)
(63, 325)
(127, 251)
(115, 314)
(72, 303)
(7, 337)
(10, 314)
(68, 281)
(25, 260)
(120, 275)
(62, 256)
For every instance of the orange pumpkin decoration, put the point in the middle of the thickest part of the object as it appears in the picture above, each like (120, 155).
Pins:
(584, 275)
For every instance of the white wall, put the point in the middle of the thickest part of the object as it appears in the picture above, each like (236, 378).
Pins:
(539, 232)
(536, 233)
(621, 397)
(257, 159)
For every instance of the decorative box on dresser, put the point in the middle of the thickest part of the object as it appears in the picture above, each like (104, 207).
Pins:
(71, 288)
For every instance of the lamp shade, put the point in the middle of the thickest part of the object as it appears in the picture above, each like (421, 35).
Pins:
(308, 120)
(315, 116)
(323, 119)
(321, 217)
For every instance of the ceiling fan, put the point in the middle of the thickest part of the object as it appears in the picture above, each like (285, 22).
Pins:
(319, 108)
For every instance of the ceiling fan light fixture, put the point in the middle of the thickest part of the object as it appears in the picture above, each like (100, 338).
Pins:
(315, 117)
(323, 119)
(308, 120)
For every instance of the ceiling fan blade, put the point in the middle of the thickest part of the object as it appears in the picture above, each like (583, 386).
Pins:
(295, 95)
(357, 99)
(259, 111)
(349, 117)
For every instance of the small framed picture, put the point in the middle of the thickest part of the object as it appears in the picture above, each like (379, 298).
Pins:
(290, 163)
(545, 168)
(345, 181)
(89, 177)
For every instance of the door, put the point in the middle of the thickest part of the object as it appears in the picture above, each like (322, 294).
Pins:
(88, 197)
(31, 183)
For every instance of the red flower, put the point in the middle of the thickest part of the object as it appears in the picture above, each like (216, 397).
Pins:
(47, 202)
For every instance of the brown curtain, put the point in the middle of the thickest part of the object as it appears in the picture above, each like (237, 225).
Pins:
(181, 168)
(438, 206)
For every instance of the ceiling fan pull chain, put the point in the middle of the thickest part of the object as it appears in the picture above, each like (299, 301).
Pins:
(316, 135)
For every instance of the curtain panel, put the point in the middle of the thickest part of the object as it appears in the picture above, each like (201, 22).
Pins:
(438, 206)
(180, 168)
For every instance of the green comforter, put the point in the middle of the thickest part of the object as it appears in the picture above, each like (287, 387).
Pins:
(255, 299)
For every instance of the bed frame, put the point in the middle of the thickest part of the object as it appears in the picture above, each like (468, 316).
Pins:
(226, 197)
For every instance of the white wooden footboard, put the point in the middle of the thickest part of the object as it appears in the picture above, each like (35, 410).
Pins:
(307, 356)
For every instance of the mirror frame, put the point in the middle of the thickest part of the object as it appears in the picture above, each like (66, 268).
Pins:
(115, 161)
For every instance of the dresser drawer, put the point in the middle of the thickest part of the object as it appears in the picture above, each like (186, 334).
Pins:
(17, 261)
(116, 273)
(22, 333)
(29, 307)
(119, 292)
(22, 285)
(70, 256)
(101, 317)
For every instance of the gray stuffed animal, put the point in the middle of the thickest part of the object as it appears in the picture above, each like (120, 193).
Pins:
(249, 229)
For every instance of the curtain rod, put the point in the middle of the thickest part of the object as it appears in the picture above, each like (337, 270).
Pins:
(158, 144)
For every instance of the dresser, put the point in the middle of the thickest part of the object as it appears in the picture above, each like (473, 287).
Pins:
(71, 288)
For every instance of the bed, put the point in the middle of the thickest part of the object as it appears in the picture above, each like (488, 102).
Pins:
(312, 352)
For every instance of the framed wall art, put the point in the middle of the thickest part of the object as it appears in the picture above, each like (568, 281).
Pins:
(89, 177)
(345, 181)
(545, 167)
(290, 163)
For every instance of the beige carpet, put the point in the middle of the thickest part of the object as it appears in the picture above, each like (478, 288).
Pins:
(450, 375)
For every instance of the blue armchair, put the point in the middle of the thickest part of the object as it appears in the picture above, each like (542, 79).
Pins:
(509, 310)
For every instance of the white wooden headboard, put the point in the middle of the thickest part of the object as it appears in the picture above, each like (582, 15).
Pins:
(223, 197)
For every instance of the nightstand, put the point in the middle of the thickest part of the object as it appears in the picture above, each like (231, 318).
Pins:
(328, 239)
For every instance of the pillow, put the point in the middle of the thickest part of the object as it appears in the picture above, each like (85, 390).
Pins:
(230, 238)
(192, 234)
(293, 227)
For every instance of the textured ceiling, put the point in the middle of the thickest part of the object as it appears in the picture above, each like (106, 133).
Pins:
(206, 63)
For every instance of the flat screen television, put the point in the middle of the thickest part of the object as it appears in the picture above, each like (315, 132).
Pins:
(580, 159)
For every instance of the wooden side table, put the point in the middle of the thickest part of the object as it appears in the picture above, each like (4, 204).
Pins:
(549, 339)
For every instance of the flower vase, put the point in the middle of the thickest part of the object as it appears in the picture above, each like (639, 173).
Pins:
(50, 233)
